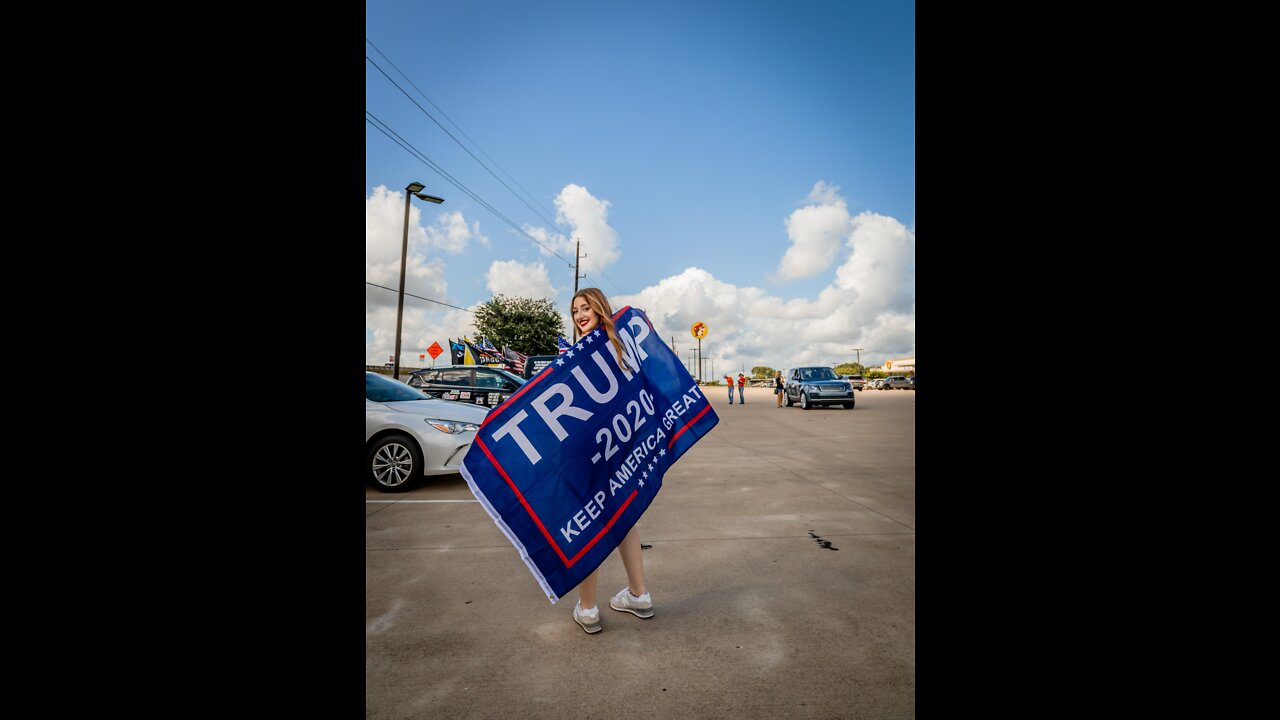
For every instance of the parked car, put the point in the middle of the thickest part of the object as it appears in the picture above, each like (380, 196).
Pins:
(408, 435)
(856, 381)
(811, 386)
(897, 382)
(875, 383)
(476, 384)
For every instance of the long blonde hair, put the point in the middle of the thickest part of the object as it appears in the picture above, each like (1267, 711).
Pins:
(599, 305)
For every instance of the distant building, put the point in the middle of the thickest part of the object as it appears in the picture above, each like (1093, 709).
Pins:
(900, 366)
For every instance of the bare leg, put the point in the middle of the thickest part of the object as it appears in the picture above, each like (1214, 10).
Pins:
(632, 560)
(587, 590)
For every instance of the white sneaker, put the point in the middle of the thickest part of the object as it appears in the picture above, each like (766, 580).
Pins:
(590, 621)
(624, 601)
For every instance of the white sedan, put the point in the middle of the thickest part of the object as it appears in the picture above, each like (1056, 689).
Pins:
(408, 435)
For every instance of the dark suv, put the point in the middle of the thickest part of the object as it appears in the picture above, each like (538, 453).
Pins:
(810, 386)
(477, 384)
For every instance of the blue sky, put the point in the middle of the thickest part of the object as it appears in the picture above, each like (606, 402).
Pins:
(750, 165)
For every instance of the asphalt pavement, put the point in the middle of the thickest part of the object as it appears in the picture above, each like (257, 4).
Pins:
(780, 556)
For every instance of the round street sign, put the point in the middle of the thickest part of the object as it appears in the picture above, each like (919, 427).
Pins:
(699, 330)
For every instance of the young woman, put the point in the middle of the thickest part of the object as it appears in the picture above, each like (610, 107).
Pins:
(590, 309)
(777, 386)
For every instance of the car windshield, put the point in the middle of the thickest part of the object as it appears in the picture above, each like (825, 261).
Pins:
(822, 373)
(380, 389)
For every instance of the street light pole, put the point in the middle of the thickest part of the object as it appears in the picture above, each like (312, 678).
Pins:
(859, 351)
(414, 188)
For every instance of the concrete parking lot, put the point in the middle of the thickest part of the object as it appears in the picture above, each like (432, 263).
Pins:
(780, 555)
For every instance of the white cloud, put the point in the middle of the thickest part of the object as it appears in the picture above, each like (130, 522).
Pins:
(677, 302)
(815, 231)
(882, 265)
(551, 241)
(425, 276)
(383, 241)
(515, 279)
(871, 305)
(588, 216)
(823, 194)
(422, 326)
(451, 232)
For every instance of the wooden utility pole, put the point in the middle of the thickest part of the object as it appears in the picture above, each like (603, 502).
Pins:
(577, 265)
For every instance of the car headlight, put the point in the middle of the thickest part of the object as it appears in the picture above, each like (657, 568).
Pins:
(451, 427)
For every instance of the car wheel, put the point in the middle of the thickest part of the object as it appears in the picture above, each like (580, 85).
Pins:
(394, 463)
(804, 401)
(848, 406)
(786, 400)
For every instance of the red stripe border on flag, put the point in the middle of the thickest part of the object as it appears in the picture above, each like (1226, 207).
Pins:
(695, 419)
(568, 562)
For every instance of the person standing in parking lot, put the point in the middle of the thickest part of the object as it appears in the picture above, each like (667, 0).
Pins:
(742, 386)
(728, 380)
(590, 310)
(777, 386)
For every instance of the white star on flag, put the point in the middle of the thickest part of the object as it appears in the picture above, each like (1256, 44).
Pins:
(662, 452)
(641, 483)
(589, 338)
(597, 332)
(646, 474)
(579, 346)
(650, 466)
(569, 353)
(559, 361)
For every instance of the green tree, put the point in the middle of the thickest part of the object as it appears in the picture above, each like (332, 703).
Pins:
(526, 325)
(762, 371)
(849, 368)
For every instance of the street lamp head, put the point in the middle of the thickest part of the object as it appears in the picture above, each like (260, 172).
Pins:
(415, 187)
(428, 198)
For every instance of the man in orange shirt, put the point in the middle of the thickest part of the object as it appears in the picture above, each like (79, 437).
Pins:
(742, 384)
(728, 380)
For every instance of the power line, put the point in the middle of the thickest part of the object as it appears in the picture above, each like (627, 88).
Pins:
(431, 164)
(459, 143)
(451, 137)
(384, 287)
(405, 144)
(602, 272)
(464, 132)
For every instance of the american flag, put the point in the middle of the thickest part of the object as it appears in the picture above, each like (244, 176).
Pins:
(517, 358)
(564, 344)
(486, 346)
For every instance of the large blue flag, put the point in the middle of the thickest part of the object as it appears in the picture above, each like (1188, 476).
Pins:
(567, 465)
